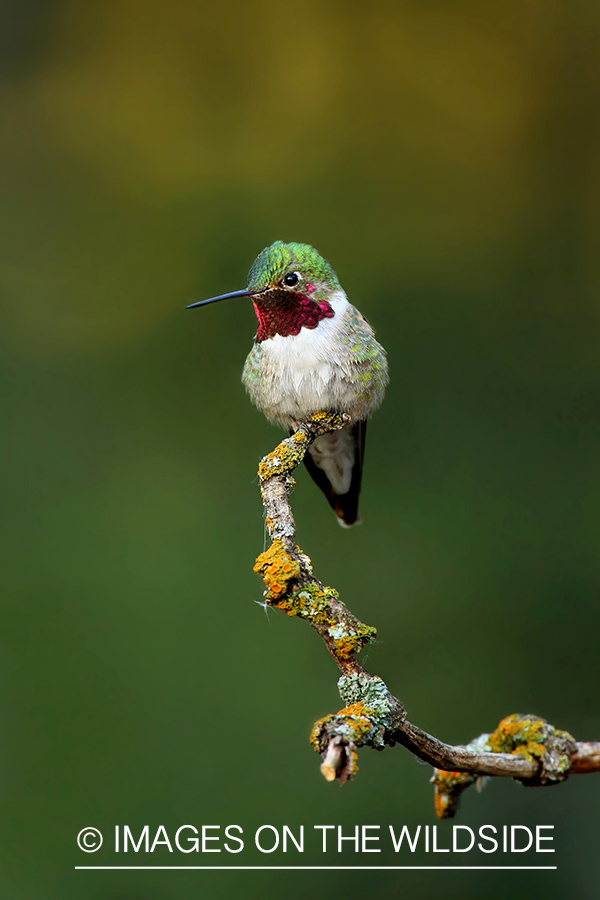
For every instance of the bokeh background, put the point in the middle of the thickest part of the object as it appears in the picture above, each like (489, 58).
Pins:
(444, 157)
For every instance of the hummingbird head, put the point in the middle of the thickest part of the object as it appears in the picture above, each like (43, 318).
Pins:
(290, 286)
(293, 267)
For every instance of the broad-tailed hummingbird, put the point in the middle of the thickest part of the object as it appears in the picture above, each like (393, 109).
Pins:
(313, 352)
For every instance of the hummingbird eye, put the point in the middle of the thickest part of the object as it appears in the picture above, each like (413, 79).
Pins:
(291, 279)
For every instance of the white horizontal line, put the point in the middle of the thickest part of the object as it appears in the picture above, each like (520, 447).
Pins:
(328, 868)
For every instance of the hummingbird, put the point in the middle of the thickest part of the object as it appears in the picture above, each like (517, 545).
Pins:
(313, 352)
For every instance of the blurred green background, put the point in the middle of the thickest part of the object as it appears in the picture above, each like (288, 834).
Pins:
(444, 157)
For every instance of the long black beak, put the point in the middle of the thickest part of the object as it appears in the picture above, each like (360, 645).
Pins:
(230, 296)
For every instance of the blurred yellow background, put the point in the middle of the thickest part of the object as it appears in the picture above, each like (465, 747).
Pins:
(444, 158)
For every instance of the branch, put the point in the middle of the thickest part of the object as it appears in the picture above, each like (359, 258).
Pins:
(523, 747)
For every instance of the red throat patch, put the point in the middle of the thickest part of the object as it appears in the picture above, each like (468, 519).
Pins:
(285, 313)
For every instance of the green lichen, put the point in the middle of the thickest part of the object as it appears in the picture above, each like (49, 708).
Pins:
(348, 640)
(370, 715)
(369, 689)
(535, 739)
(308, 601)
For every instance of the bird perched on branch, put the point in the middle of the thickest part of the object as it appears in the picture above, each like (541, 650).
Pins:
(313, 352)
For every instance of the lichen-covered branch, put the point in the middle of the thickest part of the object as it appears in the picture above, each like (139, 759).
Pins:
(286, 570)
(523, 747)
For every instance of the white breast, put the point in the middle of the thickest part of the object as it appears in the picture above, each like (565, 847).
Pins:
(302, 374)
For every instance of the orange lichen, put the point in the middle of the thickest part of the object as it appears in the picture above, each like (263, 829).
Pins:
(354, 640)
(357, 717)
(371, 713)
(345, 647)
(352, 709)
(277, 569)
(356, 723)
(521, 736)
(448, 788)
(285, 457)
(358, 712)
(535, 740)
